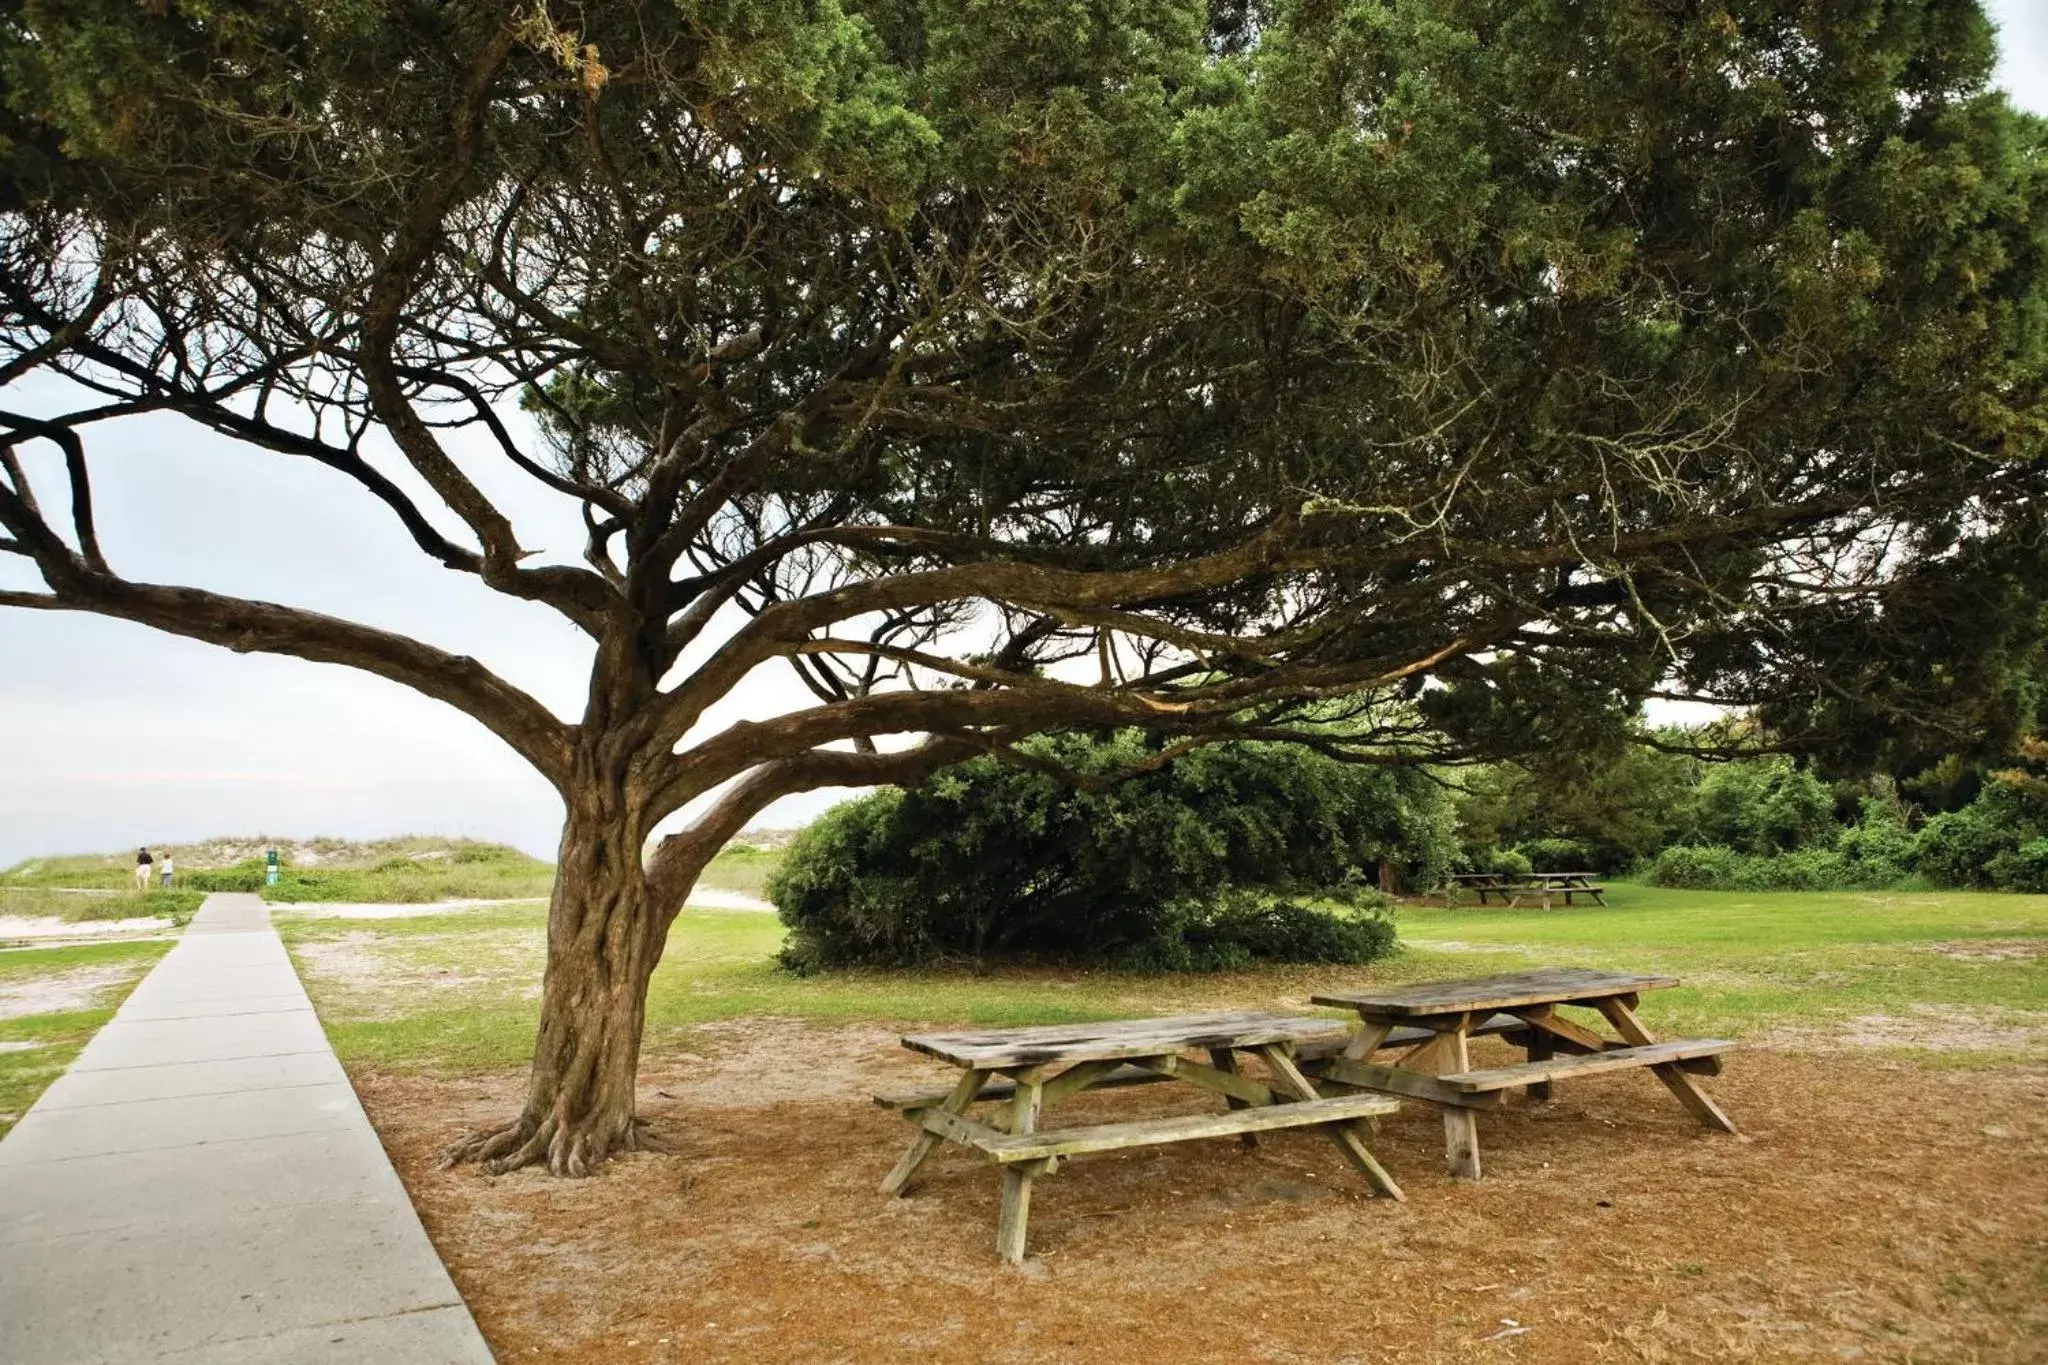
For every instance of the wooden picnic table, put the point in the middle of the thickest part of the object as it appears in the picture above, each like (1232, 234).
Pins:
(1512, 886)
(1040, 1066)
(1438, 1068)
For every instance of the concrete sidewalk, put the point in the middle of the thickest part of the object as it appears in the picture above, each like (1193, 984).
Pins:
(202, 1185)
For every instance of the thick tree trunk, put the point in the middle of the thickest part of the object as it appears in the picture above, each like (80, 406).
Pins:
(605, 935)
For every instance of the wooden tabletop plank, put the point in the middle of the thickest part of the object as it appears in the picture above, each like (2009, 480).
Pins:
(1553, 985)
(1002, 1049)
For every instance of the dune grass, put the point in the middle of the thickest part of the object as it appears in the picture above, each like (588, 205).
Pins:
(78, 906)
(458, 991)
(414, 870)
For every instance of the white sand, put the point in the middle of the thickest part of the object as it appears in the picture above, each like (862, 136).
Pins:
(370, 910)
(49, 926)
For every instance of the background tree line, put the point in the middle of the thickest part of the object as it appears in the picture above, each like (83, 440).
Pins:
(1269, 852)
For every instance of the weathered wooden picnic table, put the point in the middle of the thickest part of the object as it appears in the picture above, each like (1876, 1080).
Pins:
(1438, 1068)
(1028, 1069)
(1511, 887)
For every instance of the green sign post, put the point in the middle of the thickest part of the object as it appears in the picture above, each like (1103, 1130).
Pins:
(270, 868)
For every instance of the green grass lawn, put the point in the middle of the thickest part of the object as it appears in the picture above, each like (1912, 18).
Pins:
(35, 1048)
(457, 990)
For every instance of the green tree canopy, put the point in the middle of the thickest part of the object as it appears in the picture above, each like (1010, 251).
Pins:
(1414, 380)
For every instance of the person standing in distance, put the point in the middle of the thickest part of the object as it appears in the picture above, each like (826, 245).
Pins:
(166, 867)
(142, 862)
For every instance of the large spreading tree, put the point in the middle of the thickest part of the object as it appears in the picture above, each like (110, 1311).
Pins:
(1415, 379)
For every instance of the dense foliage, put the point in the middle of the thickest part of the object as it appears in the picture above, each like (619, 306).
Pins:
(1186, 867)
(1764, 823)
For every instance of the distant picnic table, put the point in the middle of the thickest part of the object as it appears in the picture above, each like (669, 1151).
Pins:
(1511, 887)
(1438, 1067)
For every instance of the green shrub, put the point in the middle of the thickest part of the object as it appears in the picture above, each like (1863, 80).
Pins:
(2021, 869)
(1806, 869)
(1694, 867)
(989, 860)
(176, 904)
(1241, 930)
(1958, 848)
(1507, 862)
(1879, 849)
(1762, 806)
(1980, 844)
(1716, 867)
(247, 875)
(1562, 855)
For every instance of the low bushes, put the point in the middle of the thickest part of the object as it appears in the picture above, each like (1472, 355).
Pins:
(1716, 867)
(1563, 855)
(37, 901)
(1240, 929)
(242, 876)
(1508, 862)
(1961, 847)
(1202, 865)
(2021, 869)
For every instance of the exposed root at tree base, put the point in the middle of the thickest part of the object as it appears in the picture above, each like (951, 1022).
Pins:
(572, 1151)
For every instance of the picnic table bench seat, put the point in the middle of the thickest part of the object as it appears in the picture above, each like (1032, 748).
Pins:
(1003, 1148)
(1040, 1066)
(1585, 1064)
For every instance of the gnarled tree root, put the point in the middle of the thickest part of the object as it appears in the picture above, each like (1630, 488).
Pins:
(575, 1151)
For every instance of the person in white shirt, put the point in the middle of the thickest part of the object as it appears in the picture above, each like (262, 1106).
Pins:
(165, 868)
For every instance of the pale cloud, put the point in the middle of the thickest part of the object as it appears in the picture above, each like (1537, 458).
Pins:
(2023, 51)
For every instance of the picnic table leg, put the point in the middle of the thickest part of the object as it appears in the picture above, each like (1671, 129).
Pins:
(898, 1180)
(1288, 1077)
(1542, 1047)
(1461, 1126)
(1017, 1177)
(1225, 1059)
(1689, 1094)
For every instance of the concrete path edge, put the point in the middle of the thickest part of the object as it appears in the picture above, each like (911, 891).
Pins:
(202, 1185)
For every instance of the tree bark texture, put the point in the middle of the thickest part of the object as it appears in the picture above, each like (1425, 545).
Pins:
(606, 931)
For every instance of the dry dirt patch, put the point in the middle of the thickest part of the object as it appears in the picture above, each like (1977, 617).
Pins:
(77, 989)
(362, 963)
(1993, 949)
(1874, 1211)
(1927, 1028)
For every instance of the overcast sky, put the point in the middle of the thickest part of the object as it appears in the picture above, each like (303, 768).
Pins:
(112, 735)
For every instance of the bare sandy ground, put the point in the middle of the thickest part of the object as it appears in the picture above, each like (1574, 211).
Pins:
(77, 989)
(1873, 1211)
(51, 927)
